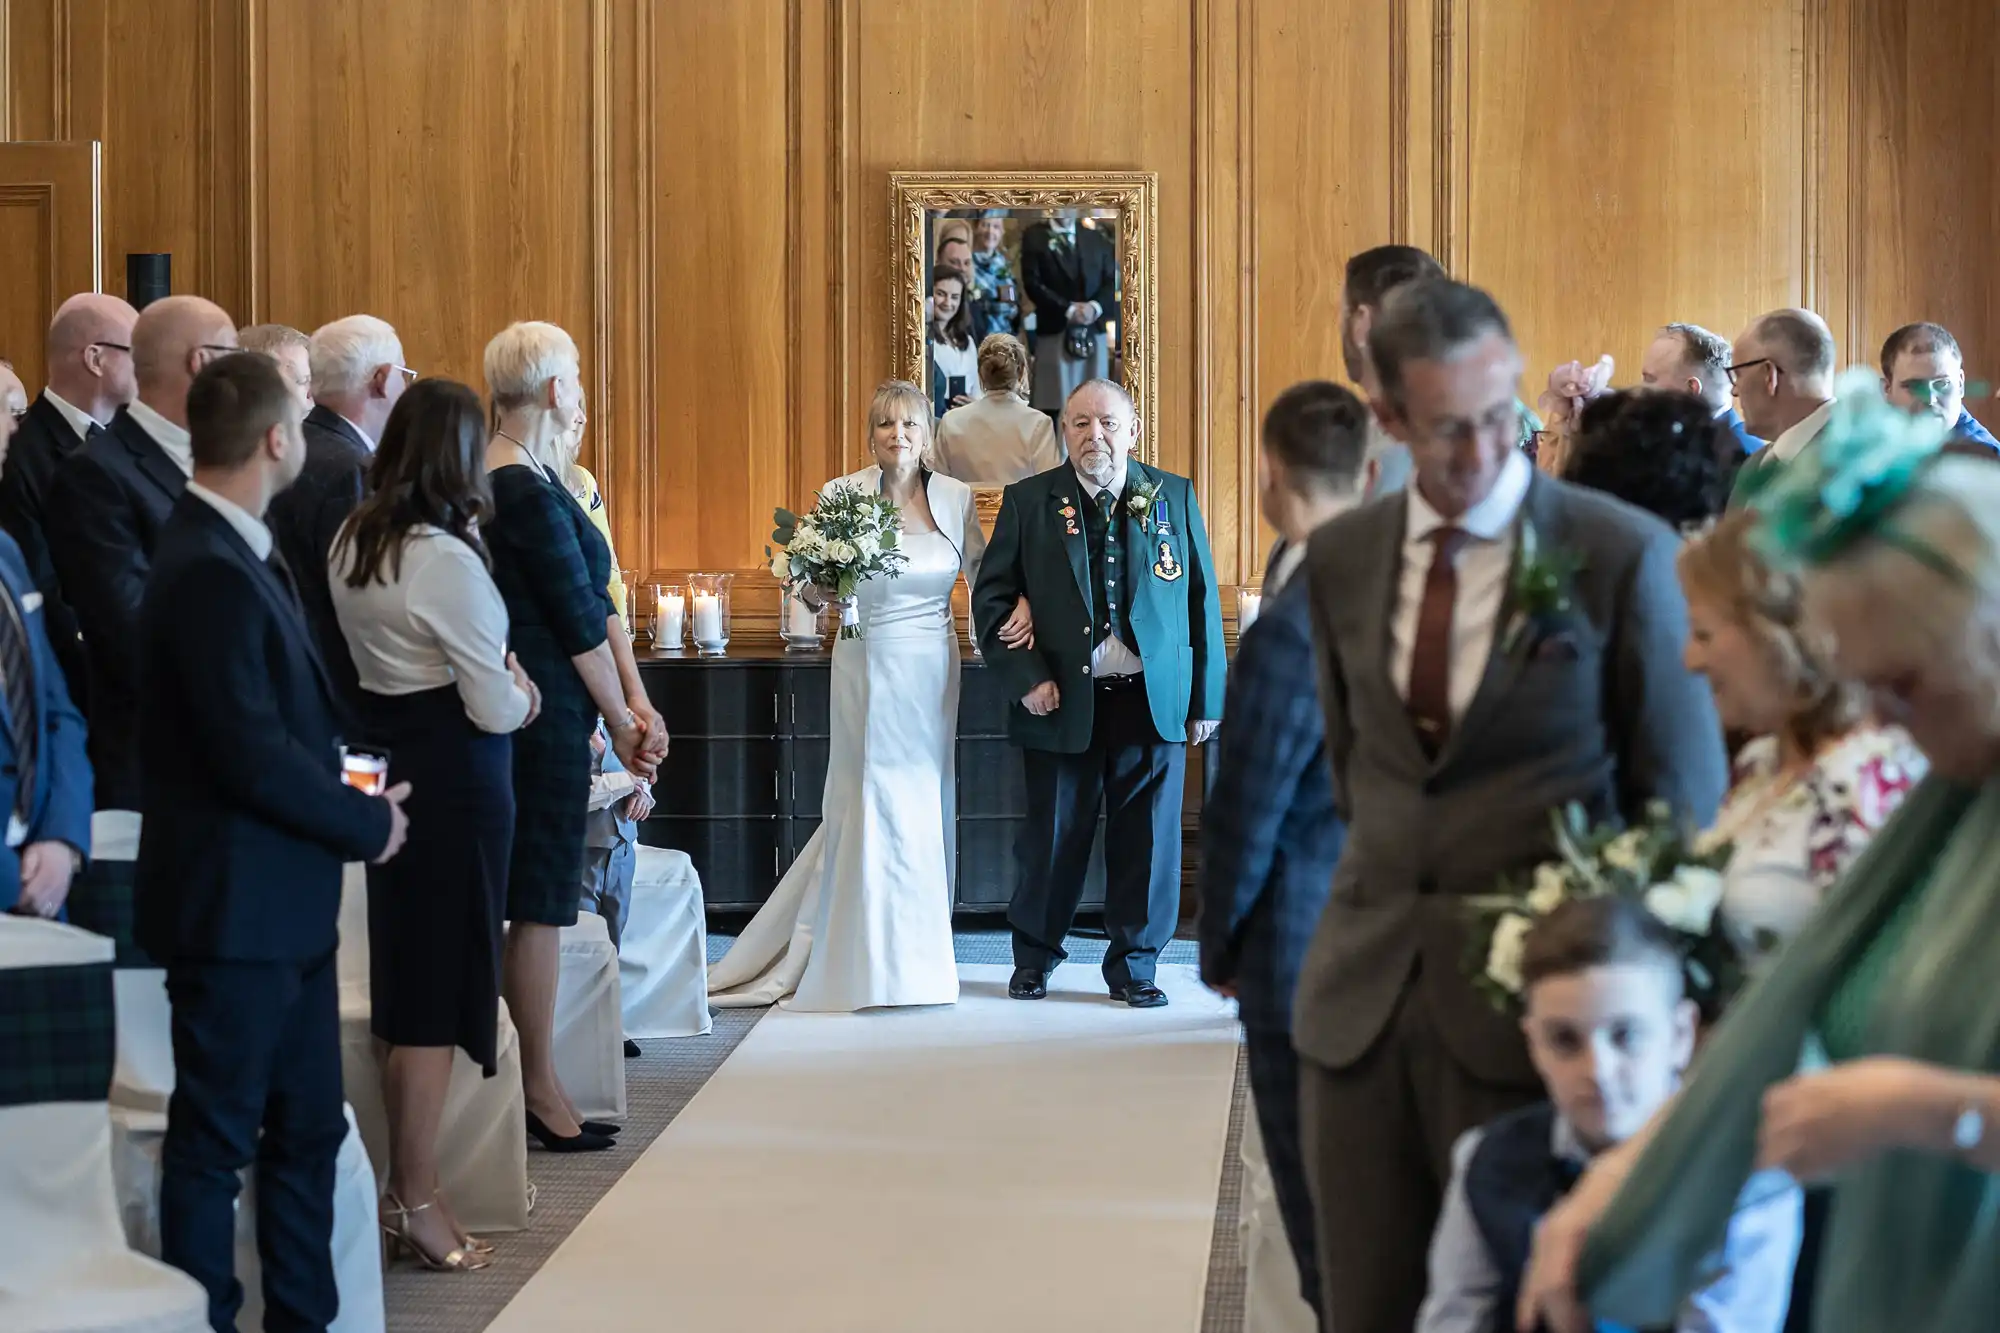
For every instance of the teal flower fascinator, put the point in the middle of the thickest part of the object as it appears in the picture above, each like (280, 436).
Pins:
(1849, 482)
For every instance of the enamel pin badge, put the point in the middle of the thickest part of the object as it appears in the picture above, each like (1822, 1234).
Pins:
(1068, 512)
(1167, 569)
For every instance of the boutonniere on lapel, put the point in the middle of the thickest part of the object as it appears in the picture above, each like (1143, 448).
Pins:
(1068, 512)
(1143, 502)
(1543, 585)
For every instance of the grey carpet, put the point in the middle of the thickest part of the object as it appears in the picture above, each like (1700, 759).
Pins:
(657, 1086)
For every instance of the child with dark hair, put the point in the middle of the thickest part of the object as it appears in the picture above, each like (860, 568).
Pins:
(1611, 1030)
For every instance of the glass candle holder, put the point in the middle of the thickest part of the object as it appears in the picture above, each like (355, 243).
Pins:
(708, 612)
(632, 612)
(799, 623)
(669, 616)
(1249, 601)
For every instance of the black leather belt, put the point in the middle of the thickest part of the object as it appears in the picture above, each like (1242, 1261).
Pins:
(1113, 684)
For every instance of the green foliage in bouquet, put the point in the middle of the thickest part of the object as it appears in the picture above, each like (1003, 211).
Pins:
(1656, 863)
(849, 537)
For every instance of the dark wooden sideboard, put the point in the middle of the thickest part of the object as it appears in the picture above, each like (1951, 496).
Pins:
(741, 789)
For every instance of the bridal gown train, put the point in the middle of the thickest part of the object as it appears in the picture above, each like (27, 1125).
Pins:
(863, 917)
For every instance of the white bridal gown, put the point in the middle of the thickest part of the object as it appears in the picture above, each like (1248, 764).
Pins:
(863, 917)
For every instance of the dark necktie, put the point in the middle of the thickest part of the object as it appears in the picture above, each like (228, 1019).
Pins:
(284, 572)
(1430, 656)
(19, 669)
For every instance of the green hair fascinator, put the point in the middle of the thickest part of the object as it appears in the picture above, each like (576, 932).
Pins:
(1848, 483)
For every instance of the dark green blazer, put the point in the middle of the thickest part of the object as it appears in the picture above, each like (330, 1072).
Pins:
(1039, 553)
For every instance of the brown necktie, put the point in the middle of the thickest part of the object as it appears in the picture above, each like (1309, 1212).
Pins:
(1430, 656)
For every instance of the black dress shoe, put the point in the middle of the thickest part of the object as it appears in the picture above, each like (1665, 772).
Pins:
(1140, 994)
(1028, 983)
(632, 1051)
(579, 1142)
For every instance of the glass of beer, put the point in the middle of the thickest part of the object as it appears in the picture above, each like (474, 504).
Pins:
(364, 768)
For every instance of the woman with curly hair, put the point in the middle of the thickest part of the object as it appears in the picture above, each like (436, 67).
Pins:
(1660, 451)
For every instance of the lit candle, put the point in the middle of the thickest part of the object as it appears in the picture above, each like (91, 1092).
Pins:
(707, 618)
(1248, 604)
(673, 617)
(801, 621)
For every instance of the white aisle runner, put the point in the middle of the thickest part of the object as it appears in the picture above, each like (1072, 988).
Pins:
(994, 1165)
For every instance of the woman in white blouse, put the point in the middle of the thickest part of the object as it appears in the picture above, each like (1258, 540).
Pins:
(428, 633)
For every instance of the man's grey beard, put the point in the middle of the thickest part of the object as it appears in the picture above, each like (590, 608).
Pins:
(1101, 474)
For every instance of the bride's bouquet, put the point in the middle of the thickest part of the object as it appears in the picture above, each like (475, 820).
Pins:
(1676, 878)
(848, 537)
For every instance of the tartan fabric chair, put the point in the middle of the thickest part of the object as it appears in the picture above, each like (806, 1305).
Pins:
(66, 1265)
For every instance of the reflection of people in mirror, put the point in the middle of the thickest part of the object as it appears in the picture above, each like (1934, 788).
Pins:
(997, 439)
(954, 362)
(996, 304)
(1071, 275)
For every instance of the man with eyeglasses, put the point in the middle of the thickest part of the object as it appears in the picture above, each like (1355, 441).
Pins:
(290, 349)
(106, 507)
(89, 353)
(357, 376)
(1924, 372)
(1781, 372)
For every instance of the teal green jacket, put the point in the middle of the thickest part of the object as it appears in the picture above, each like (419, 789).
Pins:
(1039, 553)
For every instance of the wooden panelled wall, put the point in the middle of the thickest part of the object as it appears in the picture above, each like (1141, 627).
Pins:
(697, 188)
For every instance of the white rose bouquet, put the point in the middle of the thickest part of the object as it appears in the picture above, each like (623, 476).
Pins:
(848, 538)
(1675, 877)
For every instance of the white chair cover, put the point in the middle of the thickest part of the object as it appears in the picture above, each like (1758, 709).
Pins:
(64, 1263)
(589, 1030)
(663, 958)
(357, 1244)
(1271, 1300)
(144, 1077)
(483, 1137)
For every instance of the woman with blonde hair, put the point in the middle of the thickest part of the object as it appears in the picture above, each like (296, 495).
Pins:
(553, 570)
(863, 918)
(1868, 1055)
(997, 439)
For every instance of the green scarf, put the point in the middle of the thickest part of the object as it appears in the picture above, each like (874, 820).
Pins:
(1914, 1245)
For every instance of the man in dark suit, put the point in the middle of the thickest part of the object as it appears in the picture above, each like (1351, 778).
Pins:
(1270, 833)
(1125, 667)
(1691, 359)
(106, 507)
(89, 379)
(1462, 705)
(1070, 272)
(357, 376)
(247, 825)
(44, 776)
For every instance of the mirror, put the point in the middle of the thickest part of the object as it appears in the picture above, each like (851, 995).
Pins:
(1062, 261)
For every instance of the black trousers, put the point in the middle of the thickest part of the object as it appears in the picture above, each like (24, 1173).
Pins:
(1274, 1093)
(1135, 778)
(256, 1080)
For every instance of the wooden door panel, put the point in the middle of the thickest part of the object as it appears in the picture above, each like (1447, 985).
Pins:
(50, 220)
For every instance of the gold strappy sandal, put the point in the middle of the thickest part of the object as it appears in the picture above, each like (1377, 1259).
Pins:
(399, 1241)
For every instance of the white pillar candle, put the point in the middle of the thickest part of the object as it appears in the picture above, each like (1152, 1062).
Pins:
(673, 617)
(1248, 604)
(800, 620)
(707, 618)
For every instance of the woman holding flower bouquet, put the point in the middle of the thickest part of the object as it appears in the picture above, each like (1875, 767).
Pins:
(1868, 1056)
(863, 918)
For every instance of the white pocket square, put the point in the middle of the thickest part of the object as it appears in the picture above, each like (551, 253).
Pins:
(31, 603)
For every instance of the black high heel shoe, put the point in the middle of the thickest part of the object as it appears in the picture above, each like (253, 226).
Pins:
(604, 1127)
(554, 1142)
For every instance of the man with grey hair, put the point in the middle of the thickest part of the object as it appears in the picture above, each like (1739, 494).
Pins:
(89, 380)
(1689, 359)
(357, 376)
(1460, 711)
(1781, 371)
(289, 348)
(106, 508)
(1123, 671)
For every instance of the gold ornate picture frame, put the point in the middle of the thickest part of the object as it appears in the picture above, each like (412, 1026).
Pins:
(914, 195)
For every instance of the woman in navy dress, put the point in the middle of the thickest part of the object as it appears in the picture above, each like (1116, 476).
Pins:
(553, 567)
(427, 631)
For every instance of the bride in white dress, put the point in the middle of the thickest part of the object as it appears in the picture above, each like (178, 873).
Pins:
(862, 919)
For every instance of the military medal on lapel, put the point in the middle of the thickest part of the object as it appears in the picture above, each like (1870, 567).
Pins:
(1068, 512)
(1167, 569)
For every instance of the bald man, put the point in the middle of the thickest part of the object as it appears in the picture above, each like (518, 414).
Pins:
(105, 511)
(1781, 372)
(89, 379)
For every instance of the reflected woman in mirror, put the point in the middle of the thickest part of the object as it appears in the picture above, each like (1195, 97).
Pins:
(862, 920)
(996, 300)
(954, 360)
